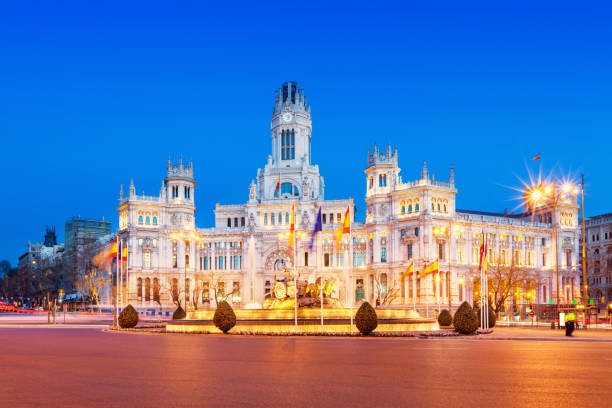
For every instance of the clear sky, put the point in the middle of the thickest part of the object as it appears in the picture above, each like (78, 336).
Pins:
(93, 93)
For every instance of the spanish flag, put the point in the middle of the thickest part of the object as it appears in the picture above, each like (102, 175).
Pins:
(483, 253)
(105, 256)
(536, 157)
(344, 227)
(408, 272)
(278, 186)
(292, 229)
(431, 268)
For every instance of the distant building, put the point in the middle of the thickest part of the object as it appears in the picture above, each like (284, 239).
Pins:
(80, 235)
(599, 258)
(40, 268)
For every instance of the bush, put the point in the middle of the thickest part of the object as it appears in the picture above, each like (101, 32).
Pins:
(365, 318)
(128, 317)
(224, 318)
(492, 317)
(465, 320)
(445, 318)
(179, 314)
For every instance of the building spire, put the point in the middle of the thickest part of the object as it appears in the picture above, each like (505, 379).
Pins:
(121, 192)
(132, 188)
(424, 173)
(451, 178)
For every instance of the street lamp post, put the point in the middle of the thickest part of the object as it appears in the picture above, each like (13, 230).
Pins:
(543, 193)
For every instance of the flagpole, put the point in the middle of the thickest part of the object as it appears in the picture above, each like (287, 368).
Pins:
(320, 284)
(116, 287)
(295, 267)
(350, 260)
(120, 285)
(439, 286)
(127, 272)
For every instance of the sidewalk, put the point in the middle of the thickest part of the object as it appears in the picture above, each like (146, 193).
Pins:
(547, 334)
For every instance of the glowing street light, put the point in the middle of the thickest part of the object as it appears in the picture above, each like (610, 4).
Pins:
(550, 194)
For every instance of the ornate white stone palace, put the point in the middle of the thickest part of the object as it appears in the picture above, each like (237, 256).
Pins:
(407, 223)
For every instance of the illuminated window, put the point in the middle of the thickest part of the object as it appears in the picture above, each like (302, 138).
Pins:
(416, 207)
(148, 220)
(154, 220)
(147, 259)
(140, 219)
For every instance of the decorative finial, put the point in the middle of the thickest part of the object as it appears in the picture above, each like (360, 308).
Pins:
(121, 192)
(451, 178)
(424, 173)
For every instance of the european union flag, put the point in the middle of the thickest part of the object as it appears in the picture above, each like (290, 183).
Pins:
(317, 228)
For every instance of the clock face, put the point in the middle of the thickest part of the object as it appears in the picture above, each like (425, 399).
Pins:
(287, 116)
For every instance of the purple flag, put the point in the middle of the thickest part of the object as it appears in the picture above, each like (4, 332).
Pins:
(317, 228)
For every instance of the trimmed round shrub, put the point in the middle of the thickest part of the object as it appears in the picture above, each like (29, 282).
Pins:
(465, 320)
(224, 317)
(365, 318)
(128, 317)
(179, 314)
(492, 317)
(445, 318)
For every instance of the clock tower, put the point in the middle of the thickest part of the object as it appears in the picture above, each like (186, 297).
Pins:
(291, 135)
(291, 126)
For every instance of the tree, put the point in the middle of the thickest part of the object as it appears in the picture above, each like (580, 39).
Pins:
(465, 320)
(224, 317)
(128, 317)
(445, 318)
(217, 285)
(385, 292)
(504, 280)
(366, 319)
(95, 281)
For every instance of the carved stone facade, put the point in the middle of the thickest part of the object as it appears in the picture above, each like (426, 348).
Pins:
(246, 250)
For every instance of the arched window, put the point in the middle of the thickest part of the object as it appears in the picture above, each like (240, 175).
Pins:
(289, 189)
(147, 289)
(444, 207)
(140, 219)
(266, 219)
(154, 220)
(403, 209)
(438, 207)
(416, 207)
(155, 290)
(287, 218)
(410, 208)
(139, 288)
(148, 220)
(280, 218)
(416, 232)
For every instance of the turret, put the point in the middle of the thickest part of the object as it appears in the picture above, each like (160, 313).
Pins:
(179, 181)
(382, 172)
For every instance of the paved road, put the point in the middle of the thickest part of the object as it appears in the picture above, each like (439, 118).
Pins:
(91, 367)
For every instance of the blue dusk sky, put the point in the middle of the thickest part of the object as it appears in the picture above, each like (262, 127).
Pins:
(94, 93)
